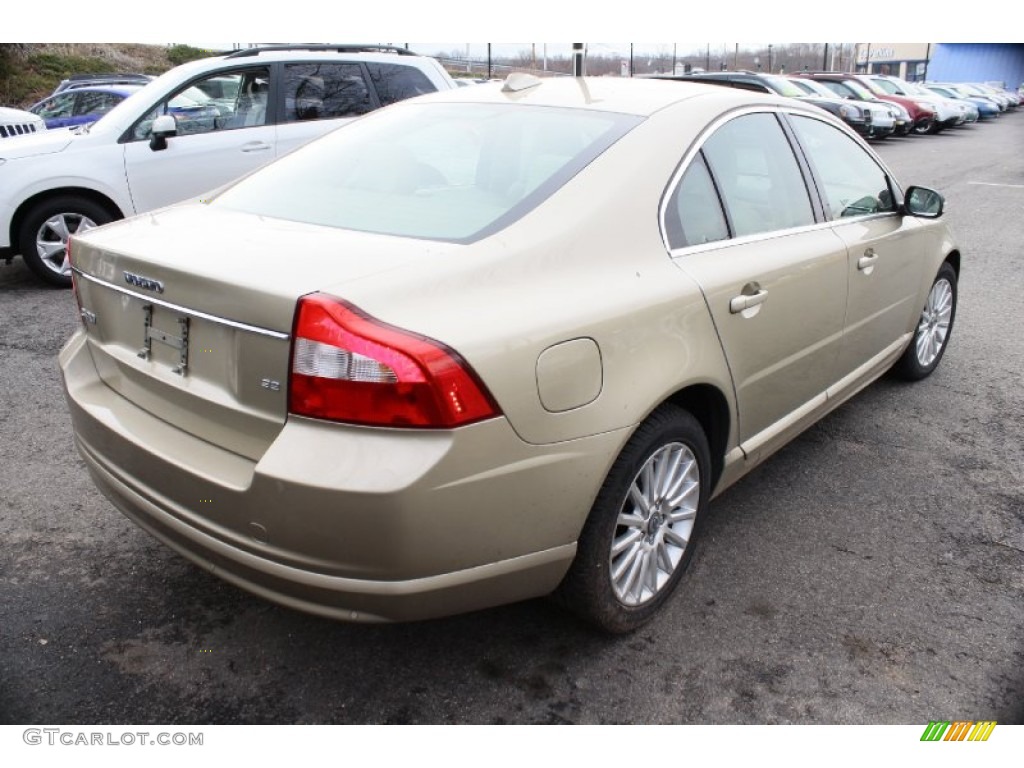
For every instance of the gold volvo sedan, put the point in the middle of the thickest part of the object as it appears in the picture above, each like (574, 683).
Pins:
(496, 343)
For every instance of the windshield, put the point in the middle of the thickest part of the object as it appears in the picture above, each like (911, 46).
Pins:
(859, 90)
(886, 87)
(813, 87)
(783, 86)
(454, 172)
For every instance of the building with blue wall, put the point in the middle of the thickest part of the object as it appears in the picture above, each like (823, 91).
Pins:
(978, 63)
(945, 62)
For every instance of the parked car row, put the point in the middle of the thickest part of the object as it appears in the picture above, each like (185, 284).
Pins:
(877, 106)
(191, 130)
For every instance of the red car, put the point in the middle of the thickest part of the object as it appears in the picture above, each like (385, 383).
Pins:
(922, 116)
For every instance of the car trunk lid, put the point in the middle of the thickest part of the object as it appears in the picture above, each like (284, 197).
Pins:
(189, 311)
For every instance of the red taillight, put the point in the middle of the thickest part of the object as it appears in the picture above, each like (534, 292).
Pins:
(348, 366)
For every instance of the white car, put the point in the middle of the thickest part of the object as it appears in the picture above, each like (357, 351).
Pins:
(17, 122)
(948, 113)
(191, 130)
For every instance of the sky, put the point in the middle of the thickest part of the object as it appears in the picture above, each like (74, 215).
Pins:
(195, 21)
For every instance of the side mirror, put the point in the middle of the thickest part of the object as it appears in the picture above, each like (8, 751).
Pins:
(163, 128)
(923, 202)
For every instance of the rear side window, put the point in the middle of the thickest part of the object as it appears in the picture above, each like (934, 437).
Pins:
(324, 91)
(395, 82)
(854, 184)
(454, 172)
(758, 176)
(694, 215)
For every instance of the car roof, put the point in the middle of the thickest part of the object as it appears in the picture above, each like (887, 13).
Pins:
(121, 89)
(634, 96)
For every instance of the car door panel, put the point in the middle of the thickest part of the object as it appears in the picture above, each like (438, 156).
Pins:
(783, 346)
(194, 164)
(884, 261)
(884, 268)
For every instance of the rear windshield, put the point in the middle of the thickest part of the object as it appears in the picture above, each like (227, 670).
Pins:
(453, 172)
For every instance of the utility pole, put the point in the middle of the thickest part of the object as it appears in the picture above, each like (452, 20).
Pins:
(824, 61)
(707, 59)
(577, 59)
(488, 61)
(673, 59)
(769, 57)
(630, 59)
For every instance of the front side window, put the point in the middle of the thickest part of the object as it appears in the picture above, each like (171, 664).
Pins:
(325, 91)
(96, 102)
(453, 172)
(241, 101)
(854, 184)
(61, 105)
(758, 176)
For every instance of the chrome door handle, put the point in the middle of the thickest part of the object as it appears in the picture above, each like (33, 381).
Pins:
(746, 301)
(255, 146)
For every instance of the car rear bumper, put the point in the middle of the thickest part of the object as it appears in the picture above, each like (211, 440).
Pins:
(352, 523)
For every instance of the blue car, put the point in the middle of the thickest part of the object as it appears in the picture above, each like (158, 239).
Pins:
(987, 109)
(192, 108)
(81, 105)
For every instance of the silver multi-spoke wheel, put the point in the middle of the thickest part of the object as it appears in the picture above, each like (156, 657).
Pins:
(931, 337)
(655, 524)
(642, 531)
(52, 238)
(935, 321)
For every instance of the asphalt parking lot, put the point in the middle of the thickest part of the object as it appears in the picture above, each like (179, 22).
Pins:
(871, 572)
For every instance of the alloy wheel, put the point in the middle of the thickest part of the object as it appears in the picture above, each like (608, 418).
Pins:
(52, 238)
(934, 325)
(654, 524)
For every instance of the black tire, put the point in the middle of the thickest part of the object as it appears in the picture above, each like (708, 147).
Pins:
(926, 348)
(924, 128)
(672, 436)
(76, 212)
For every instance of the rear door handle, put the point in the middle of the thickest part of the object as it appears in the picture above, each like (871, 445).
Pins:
(255, 146)
(746, 301)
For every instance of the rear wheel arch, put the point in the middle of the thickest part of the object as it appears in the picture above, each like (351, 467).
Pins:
(709, 406)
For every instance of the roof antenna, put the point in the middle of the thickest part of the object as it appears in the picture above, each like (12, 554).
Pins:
(520, 81)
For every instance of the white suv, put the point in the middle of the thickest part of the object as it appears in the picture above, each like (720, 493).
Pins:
(16, 122)
(191, 130)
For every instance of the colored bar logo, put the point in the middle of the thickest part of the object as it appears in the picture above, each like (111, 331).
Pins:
(960, 730)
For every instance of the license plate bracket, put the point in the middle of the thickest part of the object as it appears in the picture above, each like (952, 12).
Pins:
(179, 343)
